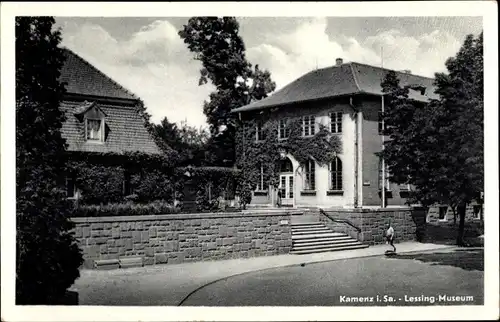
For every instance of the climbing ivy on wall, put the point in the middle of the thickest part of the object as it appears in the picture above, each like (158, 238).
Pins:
(322, 148)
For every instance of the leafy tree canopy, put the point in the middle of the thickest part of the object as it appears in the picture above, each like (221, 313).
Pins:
(217, 44)
(438, 147)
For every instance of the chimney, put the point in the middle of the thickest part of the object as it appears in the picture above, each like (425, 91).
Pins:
(339, 61)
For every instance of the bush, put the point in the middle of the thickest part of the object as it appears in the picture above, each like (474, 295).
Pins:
(125, 209)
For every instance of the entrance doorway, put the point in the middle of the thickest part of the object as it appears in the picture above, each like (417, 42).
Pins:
(286, 184)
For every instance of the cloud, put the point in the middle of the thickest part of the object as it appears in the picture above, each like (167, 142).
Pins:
(153, 63)
(289, 55)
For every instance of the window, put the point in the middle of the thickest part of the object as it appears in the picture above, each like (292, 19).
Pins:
(284, 131)
(260, 184)
(259, 131)
(404, 187)
(381, 124)
(336, 175)
(70, 187)
(386, 174)
(309, 177)
(93, 129)
(478, 211)
(336, 122)
(127, 184)
(308, 125)
(442, 212)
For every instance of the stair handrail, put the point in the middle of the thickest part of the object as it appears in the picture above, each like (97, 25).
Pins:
(344, 221)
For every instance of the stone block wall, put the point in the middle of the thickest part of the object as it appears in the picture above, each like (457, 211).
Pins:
(177, 238)
(373, 223)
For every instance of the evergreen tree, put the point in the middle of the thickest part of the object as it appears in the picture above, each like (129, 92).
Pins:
(47, 256)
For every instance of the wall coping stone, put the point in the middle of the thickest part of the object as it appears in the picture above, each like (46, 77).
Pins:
(183, 216)
(366, 210)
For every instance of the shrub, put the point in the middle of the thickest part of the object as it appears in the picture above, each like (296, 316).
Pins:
(125, 209)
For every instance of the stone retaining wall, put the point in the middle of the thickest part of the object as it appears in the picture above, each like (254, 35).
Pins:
(161, 239)
(373, 223)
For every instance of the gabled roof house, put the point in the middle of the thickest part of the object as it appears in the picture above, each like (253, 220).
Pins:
(346, 98)
(102, 116)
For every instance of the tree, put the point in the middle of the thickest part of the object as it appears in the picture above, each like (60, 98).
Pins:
(47, 256)
(217, 44)
(438, 147)
(188, 141)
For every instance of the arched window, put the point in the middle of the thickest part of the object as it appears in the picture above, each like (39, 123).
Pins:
(310, 175)
(336, 175)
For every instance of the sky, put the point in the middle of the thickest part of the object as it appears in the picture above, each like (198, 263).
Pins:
(146, 55)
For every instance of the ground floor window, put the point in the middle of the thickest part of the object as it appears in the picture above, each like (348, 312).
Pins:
(442, 212)
(478, 211)
(336, 174)
(310, 175)
(70, 186)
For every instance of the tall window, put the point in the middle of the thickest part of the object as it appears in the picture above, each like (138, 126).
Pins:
(336, 175)
(70, 186)
(478, 211)
(127, 183)
(442, 212)
(336, 122)
(284, 131)
(259, 131)
(94, 130)
(310, 176)
(380, 122)
(308, 125)
(386, 174)
(260, 184)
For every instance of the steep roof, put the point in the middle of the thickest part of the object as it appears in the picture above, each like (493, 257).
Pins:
(84, 79)
(346, 79)
(125, 129)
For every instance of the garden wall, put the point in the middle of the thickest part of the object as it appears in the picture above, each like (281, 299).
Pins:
(407, 223)
(177, 238)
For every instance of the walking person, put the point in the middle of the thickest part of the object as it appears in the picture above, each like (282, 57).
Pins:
(389, 235)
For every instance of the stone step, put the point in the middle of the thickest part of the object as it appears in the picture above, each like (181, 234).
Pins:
(351, 242)
(306, 223)
(312, 232)
(126, 262)
(330, 249)
(311, 236)
(335, 240)
(307, 226)
(106, 264)
(311, 229)
(325, 239)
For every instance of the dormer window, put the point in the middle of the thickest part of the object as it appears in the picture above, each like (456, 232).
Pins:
(93, 118)
(94, 130)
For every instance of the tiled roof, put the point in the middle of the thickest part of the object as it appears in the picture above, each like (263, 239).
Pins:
(125, 130)
(346, 79)
(83, 78)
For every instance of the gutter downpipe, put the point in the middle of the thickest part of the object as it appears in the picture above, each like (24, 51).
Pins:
(356, 149)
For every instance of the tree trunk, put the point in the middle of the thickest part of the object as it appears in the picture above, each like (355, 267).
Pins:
(461, 226)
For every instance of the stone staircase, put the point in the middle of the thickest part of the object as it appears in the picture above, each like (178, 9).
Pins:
(315, 237)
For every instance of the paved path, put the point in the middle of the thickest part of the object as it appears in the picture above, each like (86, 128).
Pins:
(445, 277)
(170, 284)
